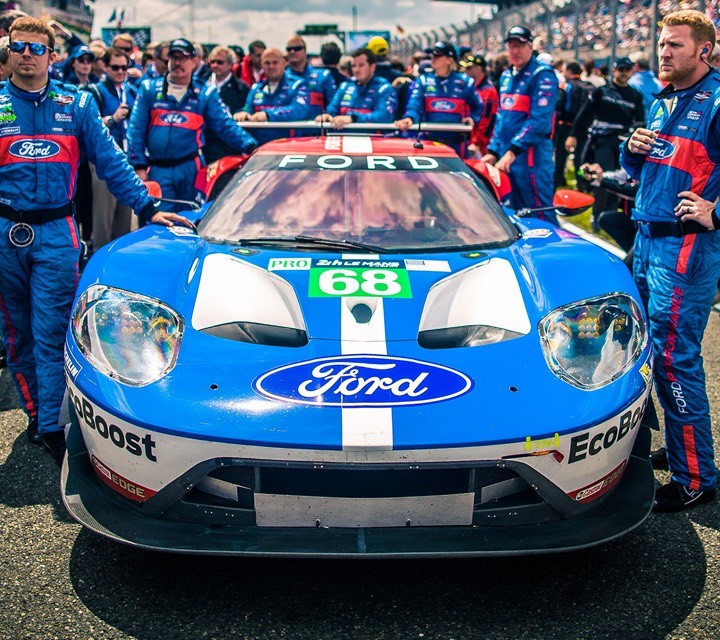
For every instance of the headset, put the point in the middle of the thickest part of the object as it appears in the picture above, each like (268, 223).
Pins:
(705, 51)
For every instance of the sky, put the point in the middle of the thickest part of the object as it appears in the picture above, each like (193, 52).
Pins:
(274, 21)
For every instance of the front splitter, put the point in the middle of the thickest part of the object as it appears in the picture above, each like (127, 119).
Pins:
(96, 508)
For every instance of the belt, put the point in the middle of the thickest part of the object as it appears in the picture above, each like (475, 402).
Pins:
(39, 216)
(174, 162)
(671, 229)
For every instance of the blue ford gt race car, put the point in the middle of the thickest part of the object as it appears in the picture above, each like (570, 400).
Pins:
(359, 353)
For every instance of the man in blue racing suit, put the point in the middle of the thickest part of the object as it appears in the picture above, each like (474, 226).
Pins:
(44, 127)
(443, 96)
(167, 124)
(320, 82)
(677, 248)
(364, 98)
(278, 98)
(522, 141)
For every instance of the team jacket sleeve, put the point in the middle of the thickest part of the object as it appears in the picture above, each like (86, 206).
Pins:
(385, 106)
(248, 108)
(138, 126)
(473, 101)
(110, 162)
(631, 162)
(329, 87)
(218, 118)
(416, 101)
(333, 107)
(298, 107)
(543, 96)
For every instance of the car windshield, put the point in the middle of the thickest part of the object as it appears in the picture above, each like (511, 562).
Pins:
(415, 203)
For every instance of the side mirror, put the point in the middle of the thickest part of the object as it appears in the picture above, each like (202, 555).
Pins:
(571, 203)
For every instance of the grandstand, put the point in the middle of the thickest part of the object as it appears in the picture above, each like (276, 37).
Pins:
(566, 28)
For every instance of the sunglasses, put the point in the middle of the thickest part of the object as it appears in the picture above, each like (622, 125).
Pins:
(217, 61)
(293, 49)
(36, 48)
(125, 49)
(119, 67)
(85, 60)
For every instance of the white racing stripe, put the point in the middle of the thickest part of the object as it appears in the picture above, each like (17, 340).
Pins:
(361, 144)
(367, 427)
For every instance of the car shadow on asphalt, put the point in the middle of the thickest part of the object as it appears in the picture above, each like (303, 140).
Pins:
(641, 586)
(29, 476)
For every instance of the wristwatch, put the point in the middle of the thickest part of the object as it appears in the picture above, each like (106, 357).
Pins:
(108, 121)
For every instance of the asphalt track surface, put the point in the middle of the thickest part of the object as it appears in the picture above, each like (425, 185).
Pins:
(60, 581)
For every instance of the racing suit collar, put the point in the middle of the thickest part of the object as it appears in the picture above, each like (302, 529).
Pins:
(32, 96)
(669, 90)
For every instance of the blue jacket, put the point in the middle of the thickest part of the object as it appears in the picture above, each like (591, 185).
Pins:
(648, 85)
(447, 99)
(321, 86)
(686, 154)
(374, 102)
(527, 108)
(290, 101)
(163, 129)
(40, 146)
(108, 101)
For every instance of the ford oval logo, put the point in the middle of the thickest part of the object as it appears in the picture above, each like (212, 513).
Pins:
(662, 149)
(507, 102)
(173, 118)
(442, 105)
(38, 148)
(362, 381)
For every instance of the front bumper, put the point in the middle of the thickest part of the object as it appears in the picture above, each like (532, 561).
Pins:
(108, 514)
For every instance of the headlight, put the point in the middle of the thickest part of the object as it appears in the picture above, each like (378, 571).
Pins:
(593, 342)
(129, 337)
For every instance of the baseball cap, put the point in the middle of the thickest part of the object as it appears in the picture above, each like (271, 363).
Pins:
(623, 63)
(443, 48)
(519, 33)
(81, 50)
(181, 45)
(474, 60)
(378, 45)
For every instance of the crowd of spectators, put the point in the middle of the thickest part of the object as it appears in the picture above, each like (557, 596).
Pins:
(596, 26)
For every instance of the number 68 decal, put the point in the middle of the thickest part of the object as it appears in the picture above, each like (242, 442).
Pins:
(385, 283)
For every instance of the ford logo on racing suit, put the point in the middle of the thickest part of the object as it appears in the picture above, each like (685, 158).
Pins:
(662, 149)
(442, 105)
(507, 102)
(362, 381)
(173, 118)
(34, 149)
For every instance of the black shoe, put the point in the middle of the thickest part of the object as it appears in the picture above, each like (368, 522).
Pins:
(674, 496)
(3, 358)
(659, 459)
(32, 431)
(55, 443)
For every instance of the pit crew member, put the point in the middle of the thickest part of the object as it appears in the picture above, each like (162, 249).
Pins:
(522, 141)
(165, 136)
(475, 66)
(364, 98)
(47, 125)
(444, 95)
(278, 98)
(677, 250)
(320, 82)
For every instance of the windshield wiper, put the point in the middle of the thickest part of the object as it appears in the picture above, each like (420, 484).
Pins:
(325, 242)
